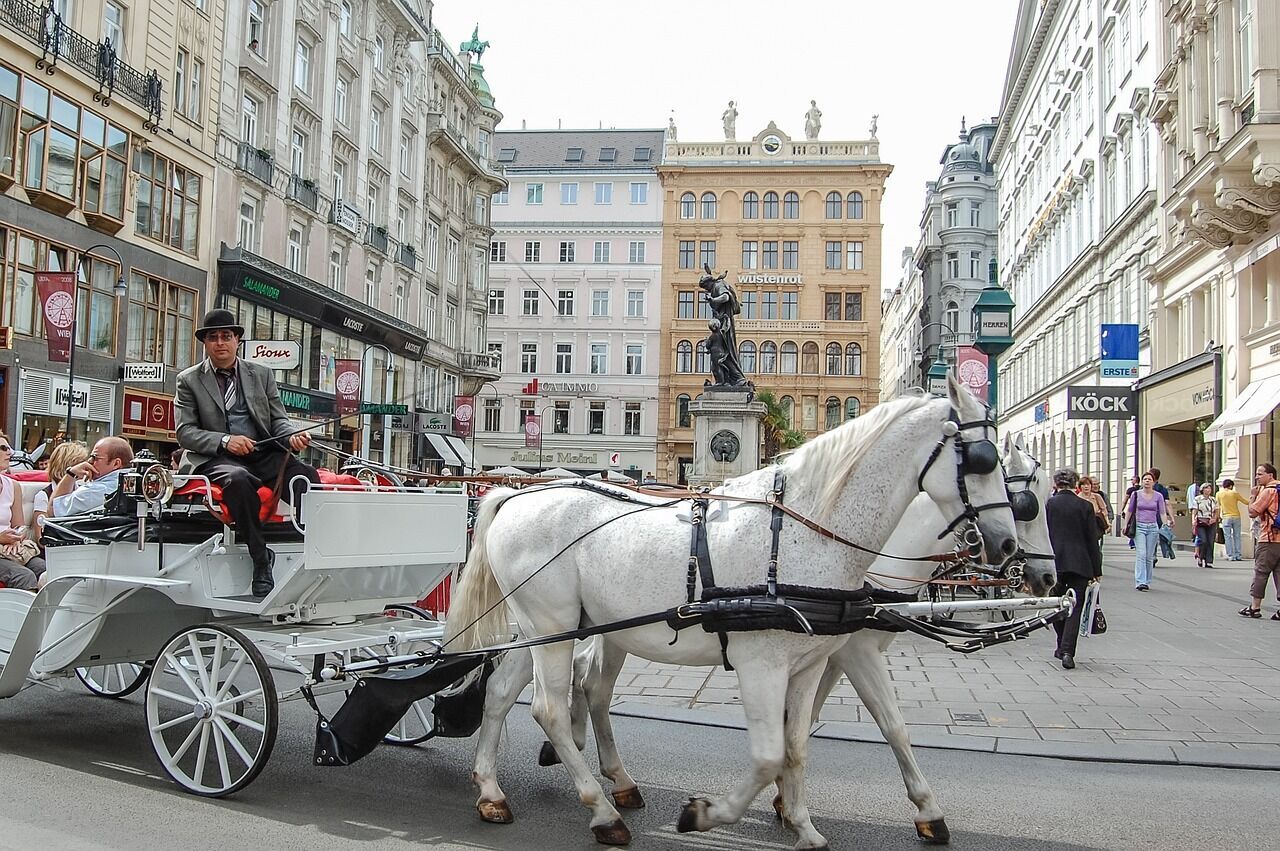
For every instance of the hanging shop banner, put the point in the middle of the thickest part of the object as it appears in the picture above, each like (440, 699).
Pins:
(464, 411)
(348, 385)
(1120, 352)
(971, 369)
(58, 298)
(532, 432)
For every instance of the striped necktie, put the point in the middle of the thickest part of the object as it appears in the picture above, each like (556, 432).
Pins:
(228, 387)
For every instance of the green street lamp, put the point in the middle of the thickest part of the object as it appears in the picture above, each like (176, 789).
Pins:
(993, 319)
(936, 377)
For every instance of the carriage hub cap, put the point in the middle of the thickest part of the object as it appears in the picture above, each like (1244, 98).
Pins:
(202, 710)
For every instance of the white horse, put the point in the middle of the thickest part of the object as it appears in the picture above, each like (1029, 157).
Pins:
(548, 556)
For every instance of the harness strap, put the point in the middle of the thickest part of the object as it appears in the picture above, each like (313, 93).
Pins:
(775, 530)
(700, 566)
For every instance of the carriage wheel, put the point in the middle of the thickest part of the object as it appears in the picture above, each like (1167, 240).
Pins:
(114, 680)
(211, 710)
(418, 724)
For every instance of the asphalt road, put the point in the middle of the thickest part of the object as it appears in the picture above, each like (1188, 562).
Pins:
(78, 773)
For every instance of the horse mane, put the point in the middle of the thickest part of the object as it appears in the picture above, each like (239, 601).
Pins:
(832, 457)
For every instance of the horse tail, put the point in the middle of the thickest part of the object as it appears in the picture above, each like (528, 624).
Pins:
(477, 614)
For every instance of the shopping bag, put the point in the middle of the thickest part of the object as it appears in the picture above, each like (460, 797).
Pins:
(1088, 606)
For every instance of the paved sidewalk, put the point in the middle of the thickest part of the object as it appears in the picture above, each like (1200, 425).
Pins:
(1178, 678)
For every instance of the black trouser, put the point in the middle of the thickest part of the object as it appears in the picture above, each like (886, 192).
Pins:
(1206, 538)
(1069, 629)
(240, 476)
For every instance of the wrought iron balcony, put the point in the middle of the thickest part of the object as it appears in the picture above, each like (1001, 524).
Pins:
(304, 192)
(407, 257)
(376, 236)
(44, 27)
(257, 162)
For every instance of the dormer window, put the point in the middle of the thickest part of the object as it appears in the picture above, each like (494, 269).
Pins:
(506, 155)
(608, 155)
(643, 154)
(574, 155)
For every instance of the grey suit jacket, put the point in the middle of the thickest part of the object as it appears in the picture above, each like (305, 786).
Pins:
(202, 415)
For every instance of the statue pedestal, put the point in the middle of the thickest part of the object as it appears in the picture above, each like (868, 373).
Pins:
(726, 435)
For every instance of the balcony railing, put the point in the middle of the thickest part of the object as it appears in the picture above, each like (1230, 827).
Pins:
(257, 162)
(45, 28)
(407, 257)
(479, 362)
(304, 192)
(376, 237)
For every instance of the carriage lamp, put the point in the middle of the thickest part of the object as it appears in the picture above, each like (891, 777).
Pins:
(936, 377)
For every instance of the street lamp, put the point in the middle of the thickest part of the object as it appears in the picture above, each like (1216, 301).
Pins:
(542, 423)
(993, 317)
(940, 364)
(119, 290)
(936, 378)
(475, 424)
(367, 427)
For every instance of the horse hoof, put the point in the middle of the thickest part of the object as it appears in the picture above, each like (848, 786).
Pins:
(777, 807)
(615, 833)
(691, 813)
(548, 756)
(934, 832)
(495, 812)
(628, 799)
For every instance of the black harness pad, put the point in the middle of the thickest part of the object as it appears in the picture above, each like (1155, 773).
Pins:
(829, 611)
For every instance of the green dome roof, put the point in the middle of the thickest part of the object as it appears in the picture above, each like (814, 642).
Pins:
(481, 86)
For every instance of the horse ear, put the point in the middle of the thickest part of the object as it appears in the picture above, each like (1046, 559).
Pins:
(1019, 444)
(1008, 445)
(959, 395)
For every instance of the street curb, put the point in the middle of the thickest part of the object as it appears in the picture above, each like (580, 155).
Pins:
(847, 731)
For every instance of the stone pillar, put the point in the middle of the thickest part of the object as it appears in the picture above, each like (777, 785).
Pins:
(726, 435)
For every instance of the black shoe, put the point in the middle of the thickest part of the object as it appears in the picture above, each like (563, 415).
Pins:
(1057, 654)
(1144, 587)
(1068, 661)
(263, 580)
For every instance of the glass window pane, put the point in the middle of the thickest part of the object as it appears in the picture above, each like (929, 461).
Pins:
(35, 98)
(93, 128)
(66, 114)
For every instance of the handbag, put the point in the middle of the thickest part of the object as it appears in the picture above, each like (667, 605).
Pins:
(1131, 519)
(21, 552)
(1092, 621)
(1098, 625)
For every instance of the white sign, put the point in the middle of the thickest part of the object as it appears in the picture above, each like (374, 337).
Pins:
(771, 279)
(433, 423)
(569, 386)
(273, 354)
(615, 459)
(144, 373)
(996, 325)
(79, 400)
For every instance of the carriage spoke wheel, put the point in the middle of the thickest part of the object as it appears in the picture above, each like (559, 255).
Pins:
(418, 724)
(211, 710)
(114, 680)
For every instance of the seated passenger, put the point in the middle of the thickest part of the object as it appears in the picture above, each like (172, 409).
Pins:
(19, 567)
(86, 486)
(63, 458)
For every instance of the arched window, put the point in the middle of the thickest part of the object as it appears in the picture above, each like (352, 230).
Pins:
(747, 356)
(951, 317)
(788, 410)
(809, 358)
(771, 205)
(833, 358)
(684, 356)
(833, 412)
(683, 420)
(787, 362)
(791, 206)
(751, 206)
(708, 205)
(701, 363)
(853, 359)
(852, 407)
(855, 205)
(835, 206)
(687, 205)
(768, 357)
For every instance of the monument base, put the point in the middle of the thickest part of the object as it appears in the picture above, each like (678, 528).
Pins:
(726, 435)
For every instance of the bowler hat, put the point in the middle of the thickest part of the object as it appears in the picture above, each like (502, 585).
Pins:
(219, 319)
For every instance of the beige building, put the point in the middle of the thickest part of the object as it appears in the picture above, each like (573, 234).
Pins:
(108, 115)
(797, 225)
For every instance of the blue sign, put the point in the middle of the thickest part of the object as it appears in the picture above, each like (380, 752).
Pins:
(1120, 351)
(1042, 411)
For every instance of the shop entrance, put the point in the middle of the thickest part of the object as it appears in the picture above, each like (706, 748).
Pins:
(1180, 452)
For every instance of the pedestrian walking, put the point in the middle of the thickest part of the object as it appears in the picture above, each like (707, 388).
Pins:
(1204, 518)
(1089, 493)
(1135, 484)
(1266, 551)
(1164, 538)
(1229, 502)
(1146, 512)
(1077, 554)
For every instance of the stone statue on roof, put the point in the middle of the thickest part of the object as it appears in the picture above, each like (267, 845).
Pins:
(875, 124)
(475, 45)
(812, 121)
(671, 128)
(730, 119)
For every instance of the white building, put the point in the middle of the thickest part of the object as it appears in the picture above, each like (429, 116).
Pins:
(899, 330)
(1078, 223)
(574, 302)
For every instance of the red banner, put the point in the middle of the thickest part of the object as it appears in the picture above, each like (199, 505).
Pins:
(347, 385)
(971, 369)
(58, 299)
(533, 432)
(464, 412)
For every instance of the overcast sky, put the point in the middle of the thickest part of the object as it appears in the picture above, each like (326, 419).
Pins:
(919, 64)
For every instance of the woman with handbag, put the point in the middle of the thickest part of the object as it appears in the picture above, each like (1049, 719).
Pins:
(1146, 512)
(1089, 493)
(20, 565)
(1205, 516)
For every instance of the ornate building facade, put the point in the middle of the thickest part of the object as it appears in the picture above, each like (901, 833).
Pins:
(797, 226)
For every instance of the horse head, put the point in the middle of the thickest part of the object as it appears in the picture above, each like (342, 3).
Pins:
(1029, 490)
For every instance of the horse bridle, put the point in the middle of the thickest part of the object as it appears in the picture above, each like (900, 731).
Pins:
(1025, 505)
(973, 458)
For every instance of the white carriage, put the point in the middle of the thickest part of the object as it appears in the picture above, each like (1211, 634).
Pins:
(159, 600)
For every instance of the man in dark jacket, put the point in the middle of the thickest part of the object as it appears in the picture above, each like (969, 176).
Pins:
(1076, 553)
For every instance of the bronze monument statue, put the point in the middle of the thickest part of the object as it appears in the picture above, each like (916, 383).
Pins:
(722, 342)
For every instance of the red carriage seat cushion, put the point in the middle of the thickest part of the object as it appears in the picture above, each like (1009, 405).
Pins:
(28, 475)
(328, 477)
(268, 514)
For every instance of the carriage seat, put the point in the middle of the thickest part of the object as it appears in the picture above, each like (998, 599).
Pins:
(270, 503)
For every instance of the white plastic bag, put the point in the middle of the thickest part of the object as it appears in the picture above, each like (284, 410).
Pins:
(1092, 599)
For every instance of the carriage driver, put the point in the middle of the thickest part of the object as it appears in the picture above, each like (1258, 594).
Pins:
(225, 407)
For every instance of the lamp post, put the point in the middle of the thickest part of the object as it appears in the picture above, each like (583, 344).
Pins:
(937, 371)
(475, 424)
(542, 422)
(367, 427)
(993, 317)
(119, 290)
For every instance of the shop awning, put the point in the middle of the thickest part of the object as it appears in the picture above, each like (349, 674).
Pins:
(1248, 411)
(442, 448)
(460, 448)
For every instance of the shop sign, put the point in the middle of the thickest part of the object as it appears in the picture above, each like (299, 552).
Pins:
(1042, 411)
(1100, 403)
(997, 324)
(564, 387)
(144, 373)
(79, 398)
(145, 412)
(771, 279)
(348, 385)
(273, 354)
(1120, 351)
(615, 459)
(971, 369)
(58, 301)
(532, 431)
(464, 411)
(6, 336)
(385, 409)
(558, 458)
(432, 422)
(300, 400)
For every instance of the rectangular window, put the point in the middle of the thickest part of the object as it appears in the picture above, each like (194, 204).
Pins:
(498, 251)
(604, 193)
(302, 67)
(769, 304)
(833, 254)
(635, 304)
(568, 193)
(335, 269)
(832, 306)
(595, 418)
(564, 361)
(853, 258)
(639, 193)
(684, 304)
(406, 155)
(975, 264)
(599, 358)
(975, 212)
(631, 418)
(502, 197)
(533, 194)
(601, 252)
(379, 52)
(293, 252)
(568, 251)
(635, 359)
(707, 253)
(493, 414)
(750, 254)
(340, 99)
(790, 305)
(161, 318)
(791, 255)
(853, 307)
(433, 245)
(181, 61)
(529, 306)
(297, 152)
(560, 417)
(599, 302)
(953, 264)
(770, 254)
(249, 224)
(687, 252)
(452, 259)
(497, 302)
(952, 213)
(257, 34)
(113, 26)
(635, 251)
(528, 358)
(375, 130)
(533, 252)
(564, 303)
(749, 305)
